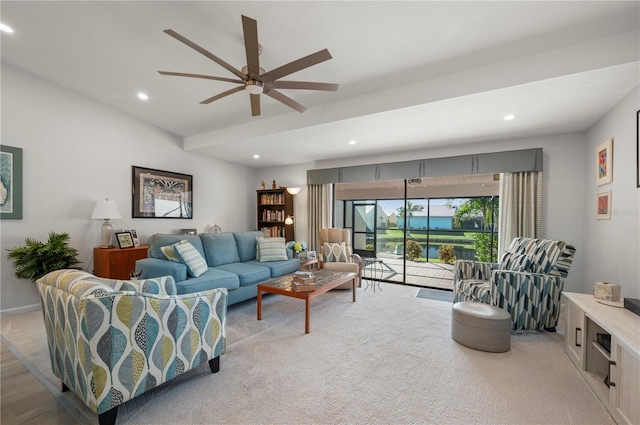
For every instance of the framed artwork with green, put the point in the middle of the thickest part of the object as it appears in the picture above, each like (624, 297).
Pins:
(10, 182)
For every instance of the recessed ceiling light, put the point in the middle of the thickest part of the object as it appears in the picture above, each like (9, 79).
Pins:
(6, 28)
(509, 117)
(143, 96)
(256, 156)
(352, 142)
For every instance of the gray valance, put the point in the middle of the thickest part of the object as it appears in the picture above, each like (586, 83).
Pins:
(482, 163)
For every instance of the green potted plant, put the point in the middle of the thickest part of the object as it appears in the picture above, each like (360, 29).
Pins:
(35, 258)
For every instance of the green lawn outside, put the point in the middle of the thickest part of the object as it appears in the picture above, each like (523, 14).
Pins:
(396, 236)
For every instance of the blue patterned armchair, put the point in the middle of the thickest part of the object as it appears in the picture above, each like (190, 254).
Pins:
(112, 340)
(527, 282)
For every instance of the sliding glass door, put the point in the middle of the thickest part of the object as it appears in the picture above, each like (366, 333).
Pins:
(419, 238)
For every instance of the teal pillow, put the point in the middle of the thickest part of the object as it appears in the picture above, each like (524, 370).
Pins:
(272, 249)
(191, 258)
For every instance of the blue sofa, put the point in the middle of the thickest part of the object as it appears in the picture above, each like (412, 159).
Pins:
(231, 261)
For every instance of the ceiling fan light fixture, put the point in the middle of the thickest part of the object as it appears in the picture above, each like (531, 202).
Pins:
(253, 86)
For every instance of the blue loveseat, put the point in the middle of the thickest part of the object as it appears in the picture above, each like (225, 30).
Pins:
(231, 263)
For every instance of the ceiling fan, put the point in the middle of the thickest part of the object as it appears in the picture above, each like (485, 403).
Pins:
(254, 79)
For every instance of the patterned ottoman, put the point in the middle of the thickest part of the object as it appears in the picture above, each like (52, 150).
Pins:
(481, 326)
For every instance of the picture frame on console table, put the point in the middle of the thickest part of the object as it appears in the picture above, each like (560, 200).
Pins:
(11, 182)
(603, 205)
(134, 236)
(161, 194)
(125, 240)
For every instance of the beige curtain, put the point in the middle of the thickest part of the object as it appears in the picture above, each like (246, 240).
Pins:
(520, 207)
(320, 200)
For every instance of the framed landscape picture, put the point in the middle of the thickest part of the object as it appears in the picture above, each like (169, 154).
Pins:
(10, 182)
(161, 194)
(604, 163)
(603, 205)
(125, 240)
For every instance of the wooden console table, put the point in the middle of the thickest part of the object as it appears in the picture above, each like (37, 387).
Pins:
(116, 263)
(603, 342)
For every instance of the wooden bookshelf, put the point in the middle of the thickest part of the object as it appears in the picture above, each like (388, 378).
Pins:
(274, 206)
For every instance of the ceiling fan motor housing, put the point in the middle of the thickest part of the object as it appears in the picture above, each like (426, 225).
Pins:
(253, 86)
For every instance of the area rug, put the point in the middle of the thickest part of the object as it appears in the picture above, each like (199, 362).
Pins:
(386, 359)
(435, 294)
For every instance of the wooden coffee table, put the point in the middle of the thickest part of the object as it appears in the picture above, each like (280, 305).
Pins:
(325, 281)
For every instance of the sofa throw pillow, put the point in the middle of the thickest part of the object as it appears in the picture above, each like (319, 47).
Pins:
(170, 253)
(190, 256)
(515, 262)
(271, 249)
(258, 239)
(335, 252)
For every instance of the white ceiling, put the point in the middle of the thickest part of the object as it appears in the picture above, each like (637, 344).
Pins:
(411, 74)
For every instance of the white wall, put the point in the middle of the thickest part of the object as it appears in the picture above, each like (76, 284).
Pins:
(76, 151)
(563, 184)
(612, 247)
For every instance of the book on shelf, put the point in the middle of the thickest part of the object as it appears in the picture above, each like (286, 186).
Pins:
(273, 231)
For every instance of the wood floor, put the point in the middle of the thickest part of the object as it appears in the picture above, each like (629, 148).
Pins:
(24, 400)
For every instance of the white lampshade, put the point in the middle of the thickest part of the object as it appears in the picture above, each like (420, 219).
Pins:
(288, 221)
(293, 190)
(106, 209)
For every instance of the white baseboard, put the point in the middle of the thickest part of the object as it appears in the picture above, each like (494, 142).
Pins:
(20, 310)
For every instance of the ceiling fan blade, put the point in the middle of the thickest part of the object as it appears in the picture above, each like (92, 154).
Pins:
(206, 77)
(255, 104)
(286, 100)
(297, 65)
(221, 95)
(205, 52)
(304, 85)
(250, 29)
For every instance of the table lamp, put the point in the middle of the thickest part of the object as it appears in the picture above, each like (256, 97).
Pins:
(106, 210)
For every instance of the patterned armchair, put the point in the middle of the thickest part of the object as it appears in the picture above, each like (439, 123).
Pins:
(527, 282)
(112, 340)
(335, 253)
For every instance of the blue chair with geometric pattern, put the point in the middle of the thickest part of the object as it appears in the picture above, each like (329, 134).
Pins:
(527, 282)
(112, 340)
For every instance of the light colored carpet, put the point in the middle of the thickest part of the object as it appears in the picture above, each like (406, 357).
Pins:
(386, 359)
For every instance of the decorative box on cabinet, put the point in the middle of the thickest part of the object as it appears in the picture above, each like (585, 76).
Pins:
(116, 263)
(604, 344)
(274, 206)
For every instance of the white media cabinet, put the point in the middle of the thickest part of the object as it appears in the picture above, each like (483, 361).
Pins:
(604, 344)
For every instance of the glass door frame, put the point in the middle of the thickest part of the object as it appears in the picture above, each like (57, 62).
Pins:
(353, 204)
